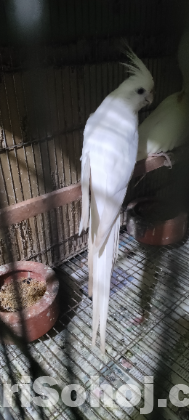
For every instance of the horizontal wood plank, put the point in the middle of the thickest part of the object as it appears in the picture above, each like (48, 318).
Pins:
(148, 165)
(34, 206)
(37, 205)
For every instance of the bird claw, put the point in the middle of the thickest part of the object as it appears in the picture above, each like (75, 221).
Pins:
(169, 158)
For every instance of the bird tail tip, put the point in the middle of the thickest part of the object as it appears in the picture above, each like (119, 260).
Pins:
(102, 348)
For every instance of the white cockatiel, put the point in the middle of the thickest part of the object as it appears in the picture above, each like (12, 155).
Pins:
(108, 159)
(167, 126)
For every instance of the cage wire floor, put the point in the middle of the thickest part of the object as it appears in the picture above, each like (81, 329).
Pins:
(147, 333)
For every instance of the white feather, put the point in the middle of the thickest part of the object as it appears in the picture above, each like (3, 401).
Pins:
(85, 178)
(108, 159)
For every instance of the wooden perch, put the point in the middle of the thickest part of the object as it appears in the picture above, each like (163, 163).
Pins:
(37, 205)
(34, 206)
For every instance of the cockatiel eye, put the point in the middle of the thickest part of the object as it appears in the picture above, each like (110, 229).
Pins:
(140, 91)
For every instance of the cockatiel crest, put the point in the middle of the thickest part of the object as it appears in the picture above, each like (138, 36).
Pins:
(108, 160)
(139, 75)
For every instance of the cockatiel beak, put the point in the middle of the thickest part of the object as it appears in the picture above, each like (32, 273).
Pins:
(150, 97)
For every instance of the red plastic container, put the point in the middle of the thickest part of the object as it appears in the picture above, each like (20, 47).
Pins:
(40, 317)
(158, 232)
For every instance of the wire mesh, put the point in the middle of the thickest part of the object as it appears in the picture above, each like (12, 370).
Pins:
(50, 82)
(147, 282)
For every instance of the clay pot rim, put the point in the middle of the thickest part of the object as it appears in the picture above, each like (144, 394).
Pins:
(46, 300)
(182, 215)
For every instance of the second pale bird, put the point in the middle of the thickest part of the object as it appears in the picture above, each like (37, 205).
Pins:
(167, 126)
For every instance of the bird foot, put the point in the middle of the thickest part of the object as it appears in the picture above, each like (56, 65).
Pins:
(169, 162)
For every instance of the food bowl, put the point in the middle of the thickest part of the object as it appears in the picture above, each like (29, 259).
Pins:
(40, 316)
(156, 222)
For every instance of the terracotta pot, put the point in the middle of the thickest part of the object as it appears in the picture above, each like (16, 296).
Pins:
(40, 317)
(158, 232)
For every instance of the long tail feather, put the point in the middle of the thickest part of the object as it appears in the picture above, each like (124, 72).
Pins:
(93, 227)
(116, 241)
(85, 194)
(102, 268)
(90, 260)
(97, 272)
